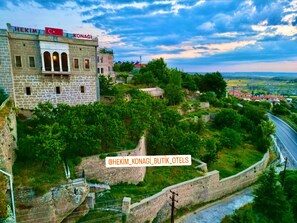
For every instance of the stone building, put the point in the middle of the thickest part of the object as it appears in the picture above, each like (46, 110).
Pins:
(48, 65)
(105, 62)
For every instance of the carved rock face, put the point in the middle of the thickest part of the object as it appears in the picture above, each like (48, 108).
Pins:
(55, 205)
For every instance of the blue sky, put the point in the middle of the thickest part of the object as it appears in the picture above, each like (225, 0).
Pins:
(192, 35)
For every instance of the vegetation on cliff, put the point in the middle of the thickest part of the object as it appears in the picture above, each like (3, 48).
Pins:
(274, 202)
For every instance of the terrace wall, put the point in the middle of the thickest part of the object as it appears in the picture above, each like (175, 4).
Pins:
(195, 191)
(95, 169)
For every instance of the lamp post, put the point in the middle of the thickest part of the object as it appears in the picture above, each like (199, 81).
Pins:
(11, 192)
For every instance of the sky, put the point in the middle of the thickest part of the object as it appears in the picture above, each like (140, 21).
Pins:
(191, 35)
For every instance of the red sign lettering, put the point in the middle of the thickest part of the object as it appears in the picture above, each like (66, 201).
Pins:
(82, 36)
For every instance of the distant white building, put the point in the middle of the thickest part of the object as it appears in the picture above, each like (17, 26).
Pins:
(154, 92)
(105, 62)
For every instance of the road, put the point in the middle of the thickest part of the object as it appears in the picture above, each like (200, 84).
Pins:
(287, 136)
(215, 212)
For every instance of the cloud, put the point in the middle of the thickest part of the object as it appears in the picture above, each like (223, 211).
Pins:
(182, 31)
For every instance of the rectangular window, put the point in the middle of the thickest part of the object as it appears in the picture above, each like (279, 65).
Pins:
(98, 70)
(87, 64)
(82, 89)
(102, 71)
(75, 64)
(31, 61)
(18, 61)
(28, 91)
(58, 90)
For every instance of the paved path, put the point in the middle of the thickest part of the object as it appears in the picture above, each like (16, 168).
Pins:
(215, 212)
(287, 137)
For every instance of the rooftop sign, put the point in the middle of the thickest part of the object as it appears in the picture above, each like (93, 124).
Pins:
(24, 30)
(82, 36)
(47, 31)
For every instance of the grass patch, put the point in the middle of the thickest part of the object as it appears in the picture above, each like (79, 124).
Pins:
(155, 180)
(41, 179)
(233, 161)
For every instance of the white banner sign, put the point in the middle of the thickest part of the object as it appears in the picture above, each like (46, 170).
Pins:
(137, 161)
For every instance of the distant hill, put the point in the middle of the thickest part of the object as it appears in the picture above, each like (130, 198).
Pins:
(251, 75)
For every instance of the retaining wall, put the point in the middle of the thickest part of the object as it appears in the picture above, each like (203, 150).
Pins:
(195, 191)
(95, 169)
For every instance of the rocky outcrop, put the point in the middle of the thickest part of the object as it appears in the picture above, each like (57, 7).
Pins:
(82, 210)
(53, 206)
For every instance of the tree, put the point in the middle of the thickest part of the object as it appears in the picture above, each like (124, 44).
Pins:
(270, 200)
(281, 109)
(123, 67)
(290, 188)
(49, 145)
(230, 138)
(159, 69)
(189, 82)
(173, 94)
(106, 86)
(211, 151)
(173, 90)
(212, 82)
(145, 78)
(227, 118)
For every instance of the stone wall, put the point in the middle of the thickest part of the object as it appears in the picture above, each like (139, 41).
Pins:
(44, 89)
(6, 82)
(8, 136)
(53, 206)
(95, 169)
(195, 191)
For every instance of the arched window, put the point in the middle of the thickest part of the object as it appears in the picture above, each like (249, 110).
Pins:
(56, 61)
(64, 62)
(47, 61)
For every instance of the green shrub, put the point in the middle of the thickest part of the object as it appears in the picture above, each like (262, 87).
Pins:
(102, 156)
(112, 154)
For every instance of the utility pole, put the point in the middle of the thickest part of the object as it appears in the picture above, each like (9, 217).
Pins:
(172, 204)
(284, 173)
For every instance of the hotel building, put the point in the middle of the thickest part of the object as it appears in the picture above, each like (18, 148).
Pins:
(48, 65)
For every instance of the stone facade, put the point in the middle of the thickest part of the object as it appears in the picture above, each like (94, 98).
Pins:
(199, 190)
(95, 169)
(8, 137)
(6, 82)
(68, 76)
